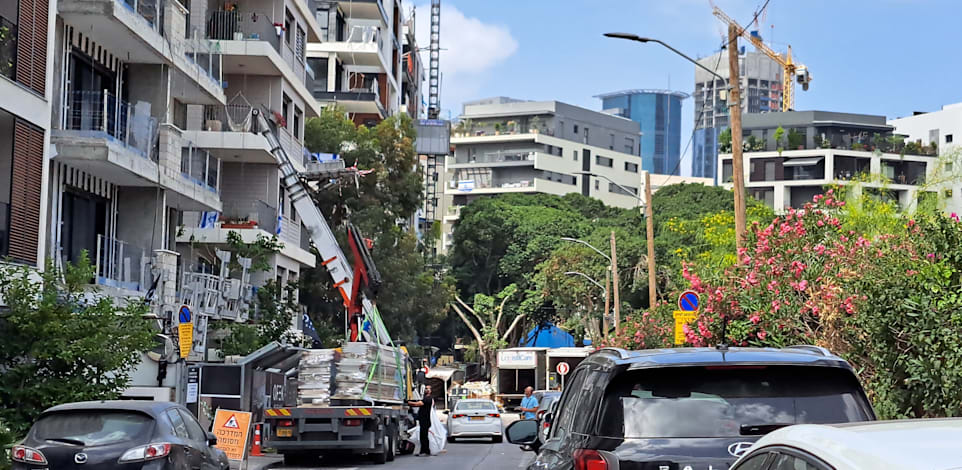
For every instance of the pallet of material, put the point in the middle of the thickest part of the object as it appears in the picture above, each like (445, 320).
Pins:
(315, 373)
(369, 371)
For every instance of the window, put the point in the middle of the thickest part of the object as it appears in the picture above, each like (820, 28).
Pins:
(475, 406)
(180, 428)
(631, 167)
(194, 430)
(288, 23)
(301, 44)
(566, 416)
(298, 119)
(659, 144)
(757, 462)
(576, 129)
(323, 20)
(94, 427)
(948, 138)
(726, 176)
(614, 188)
(611, 146)
(629, 145)
(575, 155)
(769, 171)
(286, 111)
(597, 185)
(791, 462)
(319, 67)
(604, 161)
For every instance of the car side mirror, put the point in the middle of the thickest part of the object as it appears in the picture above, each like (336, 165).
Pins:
(211, 439)
(523, 432)
(447, 412)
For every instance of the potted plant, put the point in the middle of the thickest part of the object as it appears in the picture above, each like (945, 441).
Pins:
(825, 144)
(534, 126)
(857, 146)
(796, 140)
(497, 128)
(779, 135)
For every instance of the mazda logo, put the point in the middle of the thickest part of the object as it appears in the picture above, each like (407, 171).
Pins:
(739, 448)
(80, 458)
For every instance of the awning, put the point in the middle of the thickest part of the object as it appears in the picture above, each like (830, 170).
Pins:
(443, 374)
(808, 161)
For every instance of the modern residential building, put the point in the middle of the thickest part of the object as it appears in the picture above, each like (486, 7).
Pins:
(823, 148)
(357, 63)
(659, 113)
(412, 94)
(761, 86)
(944, 129)
(27, 90)
(503, 145)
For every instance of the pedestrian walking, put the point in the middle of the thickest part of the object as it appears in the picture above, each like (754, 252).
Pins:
(425, 406)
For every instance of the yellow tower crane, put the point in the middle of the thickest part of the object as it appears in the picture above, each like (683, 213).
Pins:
(791, 71)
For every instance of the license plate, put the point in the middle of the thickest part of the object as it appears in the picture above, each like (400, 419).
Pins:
(477, 418)
(285, 432)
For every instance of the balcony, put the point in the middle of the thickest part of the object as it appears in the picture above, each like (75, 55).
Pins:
(362, 46)
(107, 136)
(361, 100)
(121, 265)
(230, 133)
(250, 215)
(249, 220)
(519, 157)
(8, 48)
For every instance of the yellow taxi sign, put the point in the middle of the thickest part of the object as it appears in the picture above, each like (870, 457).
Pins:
(232, 429)
(682, 318)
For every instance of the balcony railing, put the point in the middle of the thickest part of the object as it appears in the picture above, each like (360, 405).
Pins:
(229, 118)
(500, 156)
(257, 214)
(150, 10)
(8, 48)
(102, 113)
(199, 166)
(206, 57)
(122, 265)
(243, 26)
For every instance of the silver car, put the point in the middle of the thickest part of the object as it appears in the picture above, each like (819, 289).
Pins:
(475, 418)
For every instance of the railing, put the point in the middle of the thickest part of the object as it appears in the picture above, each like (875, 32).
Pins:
(8, 48)
(243, 26)
(204, 55)
(257, 214)
(229, 118)
(102, 112)
(199, 166)
(150, 10)
(120, 264)
(501, 156)
(362, 34)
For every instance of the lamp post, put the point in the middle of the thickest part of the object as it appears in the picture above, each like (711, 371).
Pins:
(735, 110)
(612, 268)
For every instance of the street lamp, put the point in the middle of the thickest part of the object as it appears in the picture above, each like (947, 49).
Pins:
(577, 273)
(735, 111)
(589, 245)
(628, 192)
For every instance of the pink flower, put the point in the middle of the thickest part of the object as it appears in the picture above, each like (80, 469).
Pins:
(755, 319)
(911, 272)
(820, 249)
(820, 223)
(954, 217)
(772, 285)
(930, 256)
(912, 223)
(762, 335)
(776, 305)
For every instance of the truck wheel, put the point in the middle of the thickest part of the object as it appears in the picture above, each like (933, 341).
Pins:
(380, 458)
(392, 439)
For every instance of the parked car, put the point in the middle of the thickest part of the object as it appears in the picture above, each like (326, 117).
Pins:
(475, 417)
(697, 407)
(142, 435)
(547, 403)
(892, 445)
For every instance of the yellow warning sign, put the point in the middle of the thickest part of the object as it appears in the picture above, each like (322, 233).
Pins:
(682, 318)
(232, 429)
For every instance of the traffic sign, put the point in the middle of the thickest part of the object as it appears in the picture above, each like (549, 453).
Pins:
(682, 318)
(185, 331)
(688, 301)
(563, 368)
(232, 429)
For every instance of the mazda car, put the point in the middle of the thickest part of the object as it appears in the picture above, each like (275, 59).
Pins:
(121, 435)
(689, 408)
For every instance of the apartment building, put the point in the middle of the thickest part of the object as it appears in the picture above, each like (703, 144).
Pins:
(659, 114)
(357, 63)
(761, 86)
(26, 88)
(826, 148)
(412, 95)
(944, 129)
(503, 145)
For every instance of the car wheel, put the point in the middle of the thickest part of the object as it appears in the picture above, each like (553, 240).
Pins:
(451, 439)
(497, 439)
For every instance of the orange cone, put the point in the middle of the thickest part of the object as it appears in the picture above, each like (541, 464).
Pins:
(256, 444)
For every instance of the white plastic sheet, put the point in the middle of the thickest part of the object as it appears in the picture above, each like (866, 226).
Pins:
(437, 435)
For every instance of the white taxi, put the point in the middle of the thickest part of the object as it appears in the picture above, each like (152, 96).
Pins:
(475, 418)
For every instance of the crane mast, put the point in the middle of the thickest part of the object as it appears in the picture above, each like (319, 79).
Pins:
(791, 71)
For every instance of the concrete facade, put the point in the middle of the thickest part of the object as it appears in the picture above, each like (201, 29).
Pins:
(944, 128)
(761, 93)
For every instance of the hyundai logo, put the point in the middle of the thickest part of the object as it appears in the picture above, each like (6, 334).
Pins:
(80, 458)
(739, 448)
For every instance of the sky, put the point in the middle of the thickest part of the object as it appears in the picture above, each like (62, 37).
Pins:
(883, 57)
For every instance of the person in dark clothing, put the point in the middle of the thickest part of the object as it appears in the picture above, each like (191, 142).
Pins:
(424, 419)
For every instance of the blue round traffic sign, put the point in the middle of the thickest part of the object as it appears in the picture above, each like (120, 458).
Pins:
(184, 314)
(688, 301)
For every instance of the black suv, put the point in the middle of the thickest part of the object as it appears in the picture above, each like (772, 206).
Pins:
(689, 408)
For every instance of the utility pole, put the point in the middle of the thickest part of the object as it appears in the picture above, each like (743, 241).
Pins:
(650, 228)
(614, 278)
(604, 318)
(735, 111)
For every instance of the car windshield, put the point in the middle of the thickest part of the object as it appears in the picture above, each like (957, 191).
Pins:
(728, 401)
(546, 402)
(93, 427)
(475, 406)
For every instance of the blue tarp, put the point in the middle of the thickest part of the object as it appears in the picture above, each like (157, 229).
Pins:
(547, 335)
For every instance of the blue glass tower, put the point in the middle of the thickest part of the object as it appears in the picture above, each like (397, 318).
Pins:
(659, 114)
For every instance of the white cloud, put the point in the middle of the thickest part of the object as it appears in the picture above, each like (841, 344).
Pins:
(470, 49)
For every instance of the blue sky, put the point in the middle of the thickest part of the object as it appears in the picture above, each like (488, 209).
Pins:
(887, 57)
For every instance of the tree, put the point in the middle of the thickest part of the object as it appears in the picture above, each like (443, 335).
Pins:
(488, 322)
(60, 342)
(779, 135)
(725, 140)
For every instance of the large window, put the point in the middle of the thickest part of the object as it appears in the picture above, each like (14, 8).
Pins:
(622, 190)
(323, 16)
(631, 167)
(8, 38)
(604, 161)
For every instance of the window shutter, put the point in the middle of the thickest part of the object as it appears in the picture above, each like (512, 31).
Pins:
(32, 44)
(25, 196)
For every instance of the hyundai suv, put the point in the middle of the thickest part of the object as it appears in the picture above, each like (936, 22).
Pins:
(689, 408)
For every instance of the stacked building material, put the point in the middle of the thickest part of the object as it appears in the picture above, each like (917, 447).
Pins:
(370, 371)
(315, 371)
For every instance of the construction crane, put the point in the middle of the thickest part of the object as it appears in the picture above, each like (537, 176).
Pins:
(434, 70)
(792, 71)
